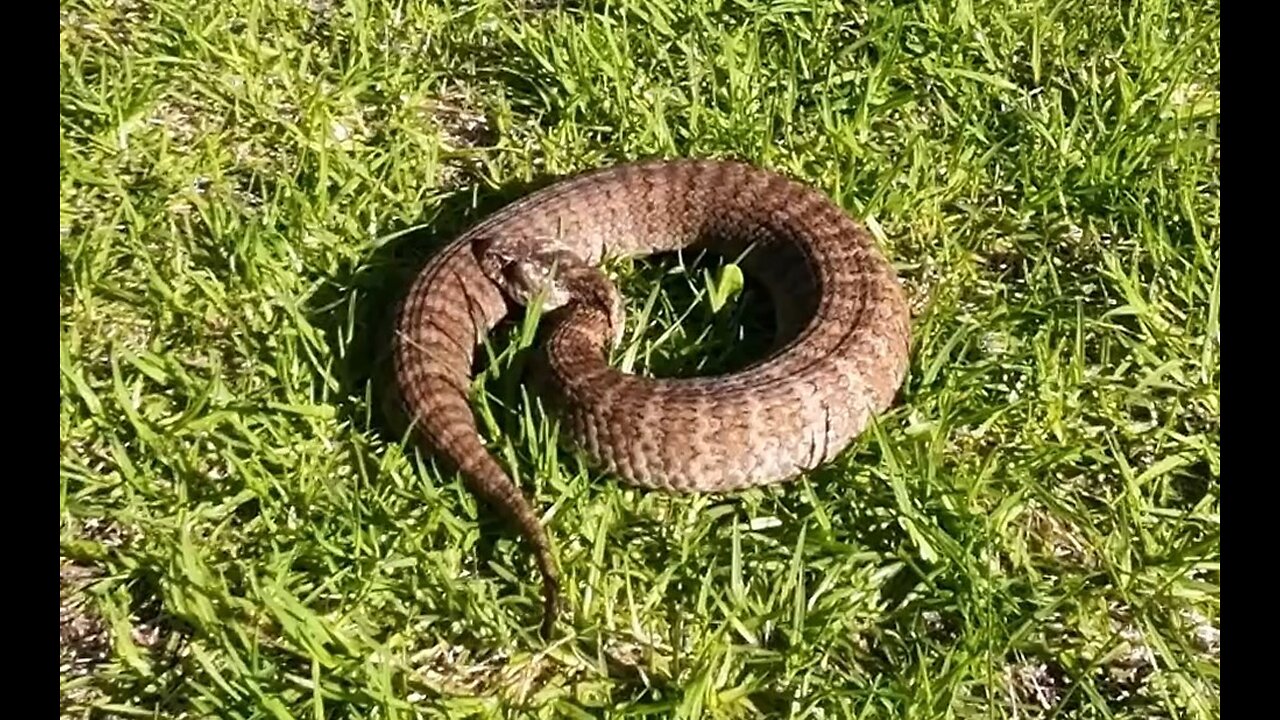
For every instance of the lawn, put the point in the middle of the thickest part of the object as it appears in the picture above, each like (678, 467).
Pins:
(246, 186)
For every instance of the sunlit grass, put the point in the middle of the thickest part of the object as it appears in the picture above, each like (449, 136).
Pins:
(1032, 531)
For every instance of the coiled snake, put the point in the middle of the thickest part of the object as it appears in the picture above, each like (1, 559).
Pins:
(842, 324)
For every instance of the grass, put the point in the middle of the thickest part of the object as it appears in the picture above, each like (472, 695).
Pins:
(245, 187)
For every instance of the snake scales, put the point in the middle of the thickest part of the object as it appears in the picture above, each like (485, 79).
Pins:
(842, 332)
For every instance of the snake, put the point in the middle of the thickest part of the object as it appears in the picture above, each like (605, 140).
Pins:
(841, 344)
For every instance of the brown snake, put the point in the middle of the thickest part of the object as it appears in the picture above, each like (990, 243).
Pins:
(843, 332)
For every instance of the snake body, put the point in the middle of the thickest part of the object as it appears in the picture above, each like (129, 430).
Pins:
(842, 325)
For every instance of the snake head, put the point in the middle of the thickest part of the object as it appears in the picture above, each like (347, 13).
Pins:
(525, 269)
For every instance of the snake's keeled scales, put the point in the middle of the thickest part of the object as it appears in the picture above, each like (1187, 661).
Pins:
(840, 309)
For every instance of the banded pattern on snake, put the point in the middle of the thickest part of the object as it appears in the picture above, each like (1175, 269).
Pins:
(843, 331)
